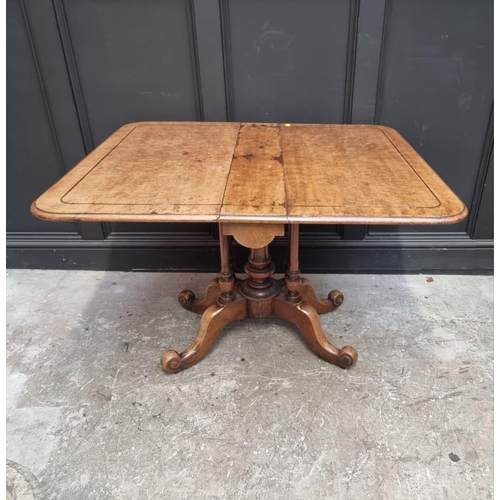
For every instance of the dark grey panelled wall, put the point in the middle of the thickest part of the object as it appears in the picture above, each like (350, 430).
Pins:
(79, 69)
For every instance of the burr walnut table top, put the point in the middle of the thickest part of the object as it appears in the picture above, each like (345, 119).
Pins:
(252, 172)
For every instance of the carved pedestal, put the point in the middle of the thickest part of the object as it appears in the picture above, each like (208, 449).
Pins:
(228, 299)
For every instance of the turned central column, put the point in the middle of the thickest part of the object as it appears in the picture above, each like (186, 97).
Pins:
(260, 289)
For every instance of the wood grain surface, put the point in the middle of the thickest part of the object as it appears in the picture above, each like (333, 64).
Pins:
(252, 172)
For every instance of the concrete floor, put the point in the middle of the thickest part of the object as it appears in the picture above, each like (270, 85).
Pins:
(91, 414)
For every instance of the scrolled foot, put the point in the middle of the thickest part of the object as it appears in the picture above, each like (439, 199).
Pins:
(188, 300)
(185, 299)
(348, 356)
(171, 361)
(322, 306)
(336, 297)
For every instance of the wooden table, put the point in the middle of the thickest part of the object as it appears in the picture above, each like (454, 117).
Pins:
(254, 179)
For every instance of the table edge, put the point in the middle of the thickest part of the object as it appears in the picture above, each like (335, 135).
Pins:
(288, 219)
